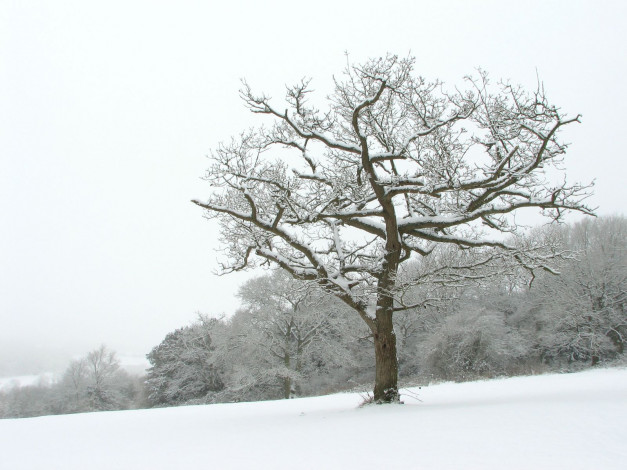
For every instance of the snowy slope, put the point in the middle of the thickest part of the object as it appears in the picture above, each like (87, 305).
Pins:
(574, 421)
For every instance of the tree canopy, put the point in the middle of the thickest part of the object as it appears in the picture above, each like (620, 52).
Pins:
(394, 167)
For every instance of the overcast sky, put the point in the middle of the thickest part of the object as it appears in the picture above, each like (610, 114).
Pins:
(108, 109)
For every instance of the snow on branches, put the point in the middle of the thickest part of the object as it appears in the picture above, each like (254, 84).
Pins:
(393, 167)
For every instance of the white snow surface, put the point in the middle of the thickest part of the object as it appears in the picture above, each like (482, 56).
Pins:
(565, 421)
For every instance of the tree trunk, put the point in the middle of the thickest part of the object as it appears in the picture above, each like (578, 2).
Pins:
(287, 381)
(287, 388)
(386, 378)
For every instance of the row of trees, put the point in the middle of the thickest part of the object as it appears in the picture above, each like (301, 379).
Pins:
(94, 382)
(575, 319)
(294, 338)
(287, 339)
(291, 337)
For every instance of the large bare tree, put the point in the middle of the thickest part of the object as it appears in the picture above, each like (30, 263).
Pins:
(392, 168)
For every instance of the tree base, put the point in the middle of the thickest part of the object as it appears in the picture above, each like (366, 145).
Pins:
(368, 399)
(390, 395)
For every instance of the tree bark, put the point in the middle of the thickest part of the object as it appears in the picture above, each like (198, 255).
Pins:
(287, 388)
(287, 381)
(386, 378)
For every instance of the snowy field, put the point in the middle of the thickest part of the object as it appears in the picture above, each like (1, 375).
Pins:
(570, 421)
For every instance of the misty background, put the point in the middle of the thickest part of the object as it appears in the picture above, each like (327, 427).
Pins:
(108, 110)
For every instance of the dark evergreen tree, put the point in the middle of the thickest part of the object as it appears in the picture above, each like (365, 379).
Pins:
(183, 366)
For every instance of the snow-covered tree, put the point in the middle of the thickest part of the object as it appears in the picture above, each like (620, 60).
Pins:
(392, 168)
(582, 315)
(476, 342)
(297, 327)
(101, 366)
(74, 385)
(91, 383)
(184, 365)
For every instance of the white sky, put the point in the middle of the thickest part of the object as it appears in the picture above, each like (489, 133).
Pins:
(107, 110)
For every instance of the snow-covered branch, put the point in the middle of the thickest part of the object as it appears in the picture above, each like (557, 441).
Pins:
(393, 168)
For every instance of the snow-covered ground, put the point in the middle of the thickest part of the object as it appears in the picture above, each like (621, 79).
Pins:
(569, 421)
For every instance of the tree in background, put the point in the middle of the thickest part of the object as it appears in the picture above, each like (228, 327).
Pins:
(93, 382)
(74, 383)
(473, 343)
(184, 365)
(298, 327)
(581, 315)
(100, 365)
(392, 168)
(287, 339)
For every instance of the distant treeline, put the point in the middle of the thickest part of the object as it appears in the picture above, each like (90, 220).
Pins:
(94, 382)
(289, 338)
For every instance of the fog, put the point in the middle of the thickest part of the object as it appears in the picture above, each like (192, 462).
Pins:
(109, 109)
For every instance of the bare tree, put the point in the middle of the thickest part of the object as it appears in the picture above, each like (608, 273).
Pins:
(296, 320)
(74, 382)
(394, 167)
(582, 314)
(101, 365)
